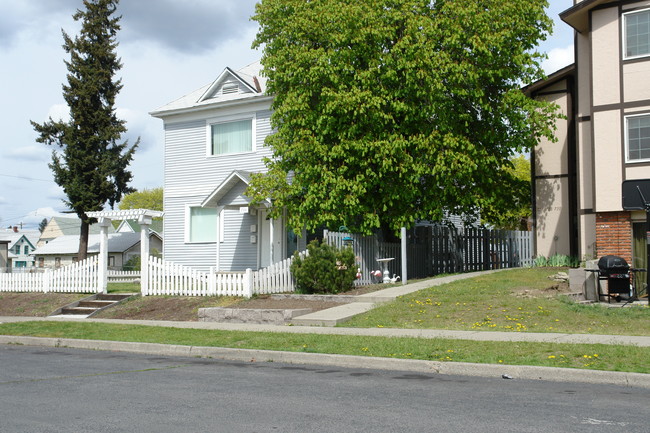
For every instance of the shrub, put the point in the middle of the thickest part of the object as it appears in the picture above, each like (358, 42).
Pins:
(325, 269)
(557, 261)
(133, 264)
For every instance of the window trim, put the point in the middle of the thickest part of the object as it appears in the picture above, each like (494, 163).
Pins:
(228, 119)
(188, 215)
(624, 38)
(627, 139)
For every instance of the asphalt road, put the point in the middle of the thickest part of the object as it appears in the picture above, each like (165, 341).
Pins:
(70, 390)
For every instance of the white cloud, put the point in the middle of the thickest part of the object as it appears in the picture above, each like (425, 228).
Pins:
(59, 112)
(558, 58)
(33, 152)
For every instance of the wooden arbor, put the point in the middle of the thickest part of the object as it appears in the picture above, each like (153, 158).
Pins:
(144, 218)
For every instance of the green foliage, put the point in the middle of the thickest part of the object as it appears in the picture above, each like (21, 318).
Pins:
(389, 112)
(88, 161)
(146, 199)
(42, 225)
(512, 215)
(133, 264)
(325, 269)
(557, 260)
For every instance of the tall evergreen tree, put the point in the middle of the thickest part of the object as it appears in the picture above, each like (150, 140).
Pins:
(89, 161)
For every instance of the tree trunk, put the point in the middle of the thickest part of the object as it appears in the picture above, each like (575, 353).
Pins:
(83, 240)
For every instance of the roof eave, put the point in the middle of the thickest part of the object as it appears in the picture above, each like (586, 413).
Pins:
(577, 16)
(204, 107)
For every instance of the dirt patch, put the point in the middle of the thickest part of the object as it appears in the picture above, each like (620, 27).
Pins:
(554, 289)
(178, 308)
(35, 304)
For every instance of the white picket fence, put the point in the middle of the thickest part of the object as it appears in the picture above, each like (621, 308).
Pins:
(122, 276)
(167, 278)
(80, 277)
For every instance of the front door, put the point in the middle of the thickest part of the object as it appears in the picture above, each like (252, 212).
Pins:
(270, 247)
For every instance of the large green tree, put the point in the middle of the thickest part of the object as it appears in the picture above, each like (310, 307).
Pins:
(144, 199)
(89, 161)
(515, 214)
(387, 112)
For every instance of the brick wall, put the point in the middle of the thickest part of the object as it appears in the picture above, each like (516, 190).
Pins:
(614, 234)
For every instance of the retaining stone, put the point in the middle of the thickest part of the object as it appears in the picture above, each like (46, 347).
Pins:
(250, 315)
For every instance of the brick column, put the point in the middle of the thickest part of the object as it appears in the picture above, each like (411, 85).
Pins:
(614, 234)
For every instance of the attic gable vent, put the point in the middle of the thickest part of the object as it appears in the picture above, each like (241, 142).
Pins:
(230, 88)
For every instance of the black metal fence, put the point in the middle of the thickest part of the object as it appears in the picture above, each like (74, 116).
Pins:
(438, 249)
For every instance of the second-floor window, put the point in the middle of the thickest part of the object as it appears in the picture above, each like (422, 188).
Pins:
(637, 33)
(638, 138)
(232, 137)
(26, 250)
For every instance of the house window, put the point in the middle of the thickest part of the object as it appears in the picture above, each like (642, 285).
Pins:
(637, 33)
(57, 262)
(41, 262)
(638, 138)
(26, 250)
(231, 137)
(111, 261)
(201, 224)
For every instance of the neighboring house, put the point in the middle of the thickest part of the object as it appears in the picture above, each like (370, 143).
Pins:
(604, 140)
(21, 246)
(63, 250)
(62, 226)
(214, 140)
(132, 226)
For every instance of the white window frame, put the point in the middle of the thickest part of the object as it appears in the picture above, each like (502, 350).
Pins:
(227, 119)
(627, 139)
(624, 38)
(188, 214)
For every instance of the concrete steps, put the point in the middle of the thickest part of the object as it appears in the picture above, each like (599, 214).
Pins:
(91, 305)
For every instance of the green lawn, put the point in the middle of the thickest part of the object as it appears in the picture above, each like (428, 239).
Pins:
(519, 300)
(582, 356)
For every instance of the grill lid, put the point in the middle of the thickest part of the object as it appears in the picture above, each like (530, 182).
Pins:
(612, 263)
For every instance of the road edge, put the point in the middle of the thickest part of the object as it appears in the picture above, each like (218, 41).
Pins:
(637, 380)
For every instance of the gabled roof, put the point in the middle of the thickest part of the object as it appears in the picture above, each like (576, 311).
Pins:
(31, 236)
(72, 226)
(229, 77)
(117, 243)
(558, 75)
(233, 179)
(577, 16)
(250, 86)
(132, 226)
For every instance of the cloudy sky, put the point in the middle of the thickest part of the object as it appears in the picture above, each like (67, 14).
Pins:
(168, 48)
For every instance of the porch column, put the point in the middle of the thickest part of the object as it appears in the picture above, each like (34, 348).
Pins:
(272, 241)
(103, 254)
(144, 222)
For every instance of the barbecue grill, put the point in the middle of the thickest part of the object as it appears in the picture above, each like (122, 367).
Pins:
(616, 272)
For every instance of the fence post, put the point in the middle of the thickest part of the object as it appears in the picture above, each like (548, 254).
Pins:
(404, 264)
(248, 283)
(46, 281)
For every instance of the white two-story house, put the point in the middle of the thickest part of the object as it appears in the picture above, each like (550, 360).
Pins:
(604, 140)
(214, 140)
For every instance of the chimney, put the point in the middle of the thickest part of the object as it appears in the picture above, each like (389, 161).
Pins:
(15, 229)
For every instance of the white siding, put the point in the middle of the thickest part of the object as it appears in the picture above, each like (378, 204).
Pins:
(191, 175)
(237, 250)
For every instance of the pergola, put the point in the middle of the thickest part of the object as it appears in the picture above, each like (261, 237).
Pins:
(144, 218)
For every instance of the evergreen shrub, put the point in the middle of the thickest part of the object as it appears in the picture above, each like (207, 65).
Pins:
(326, 269)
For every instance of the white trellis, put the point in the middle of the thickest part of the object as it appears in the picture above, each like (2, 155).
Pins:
(144, 217)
